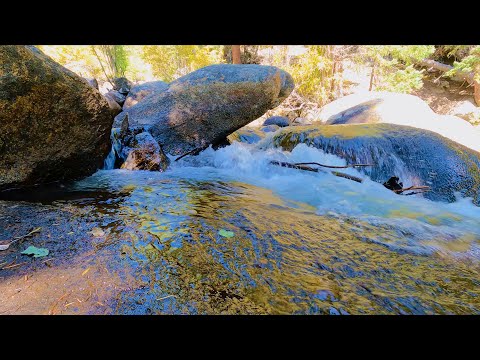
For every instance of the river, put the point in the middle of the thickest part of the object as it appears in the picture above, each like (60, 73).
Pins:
(137, 242)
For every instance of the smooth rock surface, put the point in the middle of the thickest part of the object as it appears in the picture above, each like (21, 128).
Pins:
(416, 156)
(207, 105)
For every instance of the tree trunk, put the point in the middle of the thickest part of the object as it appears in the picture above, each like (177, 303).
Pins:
(236, 54)
(476, 92)
(476, 85)
(372, 75)
(460, 76)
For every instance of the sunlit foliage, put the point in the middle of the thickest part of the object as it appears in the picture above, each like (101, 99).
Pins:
(169, 62)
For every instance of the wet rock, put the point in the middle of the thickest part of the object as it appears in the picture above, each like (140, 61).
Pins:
(53, 125)
(270, 128)
(246, 135)
(333, 311)
(117, 96)
(122, 85)
(140, 151)
(207, 105)
(280, 121)
(139, 92)
(416, 156)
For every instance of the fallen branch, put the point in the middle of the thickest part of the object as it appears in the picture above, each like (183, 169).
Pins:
(6, 246)
(347, 176)
(301, 166)
(192, 152)
(460, 76)
(422, 188)
(334, 167)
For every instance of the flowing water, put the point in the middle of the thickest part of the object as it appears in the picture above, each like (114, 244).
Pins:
(303, 243)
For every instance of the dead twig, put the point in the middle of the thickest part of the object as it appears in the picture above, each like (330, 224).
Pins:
(301, 166)
(332, 166)
(192, 152)
(422, 188)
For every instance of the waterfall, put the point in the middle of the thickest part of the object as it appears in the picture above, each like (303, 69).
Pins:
(109, 162)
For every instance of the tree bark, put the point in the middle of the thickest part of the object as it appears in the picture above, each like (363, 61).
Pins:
(372, 75)
(476, 92)
(476, 85)
(236, 59)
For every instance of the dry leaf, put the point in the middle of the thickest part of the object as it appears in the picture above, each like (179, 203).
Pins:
(4, 247)
(97, 232)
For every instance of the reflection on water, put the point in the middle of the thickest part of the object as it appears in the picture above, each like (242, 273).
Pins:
(285, 258)
(302, 244)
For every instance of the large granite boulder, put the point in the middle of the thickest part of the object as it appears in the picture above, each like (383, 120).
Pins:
(207, 105)
(53, 124)
(141, 91)
(399, 109)
(416, 156)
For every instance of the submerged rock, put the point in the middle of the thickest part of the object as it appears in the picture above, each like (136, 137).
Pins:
(207, 105)
(281, 121)
(53, 124)
(416, 156)
(270, 128)
(139, 92)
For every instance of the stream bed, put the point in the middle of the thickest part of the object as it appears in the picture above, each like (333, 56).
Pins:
(138, 242)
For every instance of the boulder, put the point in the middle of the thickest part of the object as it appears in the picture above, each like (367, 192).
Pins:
(116, 96)
(53, 125)
(468, 111)
(399, 109)
(142, 152)
(139, 92)
(115, 109)
(92, 82)
(104, 87)
(416, 156)
(207, 105)
(122, 85)
(281, 121)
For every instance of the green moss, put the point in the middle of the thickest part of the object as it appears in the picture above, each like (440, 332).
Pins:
(290, 137)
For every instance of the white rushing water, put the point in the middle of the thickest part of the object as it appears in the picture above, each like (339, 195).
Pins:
(422, 225)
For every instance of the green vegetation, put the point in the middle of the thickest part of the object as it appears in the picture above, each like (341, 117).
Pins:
(318, 70)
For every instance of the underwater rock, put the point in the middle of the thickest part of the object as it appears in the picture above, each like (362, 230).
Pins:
(281, 121)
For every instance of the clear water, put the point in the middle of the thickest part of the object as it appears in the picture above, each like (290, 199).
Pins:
(419, 225)
(303, 243)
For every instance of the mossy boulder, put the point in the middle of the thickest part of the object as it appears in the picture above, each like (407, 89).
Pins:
(418, 157)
